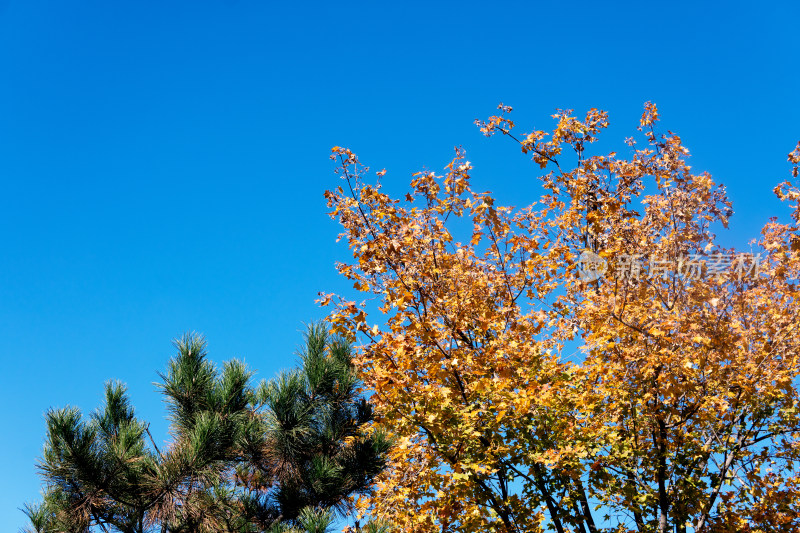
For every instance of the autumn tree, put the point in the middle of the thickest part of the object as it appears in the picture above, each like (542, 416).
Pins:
(653, 392)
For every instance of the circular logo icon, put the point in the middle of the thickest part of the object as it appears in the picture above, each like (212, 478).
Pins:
(591, 266)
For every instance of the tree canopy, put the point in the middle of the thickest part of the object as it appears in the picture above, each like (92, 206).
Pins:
(593, 361)
(286, 455)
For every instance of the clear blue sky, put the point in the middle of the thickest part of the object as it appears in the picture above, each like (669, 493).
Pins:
(162, 164)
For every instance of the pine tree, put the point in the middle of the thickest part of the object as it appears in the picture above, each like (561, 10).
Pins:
(318, 454)
(285, 456)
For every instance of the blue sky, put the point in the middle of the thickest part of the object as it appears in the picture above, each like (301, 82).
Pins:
(162, 164)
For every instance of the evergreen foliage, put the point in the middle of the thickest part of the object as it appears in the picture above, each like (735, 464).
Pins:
(284, 456)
